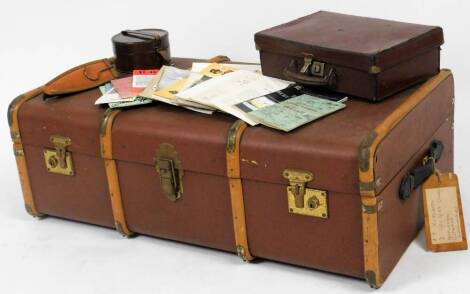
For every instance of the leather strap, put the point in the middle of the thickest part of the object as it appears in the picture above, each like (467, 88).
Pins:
(90, 75)
(120, 222)
(420, 174)
(236, 189)
(82, 77)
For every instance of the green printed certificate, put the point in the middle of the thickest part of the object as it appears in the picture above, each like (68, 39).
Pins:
(295, 112)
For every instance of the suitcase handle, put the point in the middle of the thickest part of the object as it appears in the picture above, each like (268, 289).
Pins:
(318, 78)
(420, 174)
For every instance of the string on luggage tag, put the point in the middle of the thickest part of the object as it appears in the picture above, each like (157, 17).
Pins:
(436, 171)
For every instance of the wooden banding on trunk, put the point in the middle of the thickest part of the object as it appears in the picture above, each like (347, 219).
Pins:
(368, 181)
(21, 163)
(236, 189)
(111, 171)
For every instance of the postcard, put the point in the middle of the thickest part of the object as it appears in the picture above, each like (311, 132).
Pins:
(295, 112)
(124, 87)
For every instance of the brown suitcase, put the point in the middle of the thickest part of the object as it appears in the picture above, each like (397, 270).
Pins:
(358, 56)
(209, 180)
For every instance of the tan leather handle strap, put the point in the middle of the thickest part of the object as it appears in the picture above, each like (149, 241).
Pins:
(21, 163)
(111, 172)
(92, 74)
(83, 77)
(236, 189)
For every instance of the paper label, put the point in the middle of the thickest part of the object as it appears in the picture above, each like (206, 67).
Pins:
(141, 78)
(443, 211)
(443, 214)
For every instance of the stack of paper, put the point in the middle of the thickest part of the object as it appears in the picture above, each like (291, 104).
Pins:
(237, 89)
(226, 91)
(125, 92)
(257, 99)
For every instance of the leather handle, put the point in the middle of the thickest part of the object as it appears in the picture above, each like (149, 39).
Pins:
(83, 77)
(292, 73)
(420, 174)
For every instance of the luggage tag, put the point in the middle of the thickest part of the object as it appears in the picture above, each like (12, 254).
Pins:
(443, 214)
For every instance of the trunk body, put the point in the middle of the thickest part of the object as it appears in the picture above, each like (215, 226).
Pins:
(357, 156)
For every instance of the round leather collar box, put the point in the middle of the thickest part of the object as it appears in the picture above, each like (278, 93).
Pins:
(141, 49)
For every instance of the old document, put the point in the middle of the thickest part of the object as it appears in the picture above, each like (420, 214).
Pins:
(225, 92)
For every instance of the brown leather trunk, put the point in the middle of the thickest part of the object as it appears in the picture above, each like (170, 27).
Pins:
(233, 193)
(358, 56)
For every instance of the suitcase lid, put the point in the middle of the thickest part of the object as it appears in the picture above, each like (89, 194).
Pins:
(363, 43)
(72, 116)
(328, 147)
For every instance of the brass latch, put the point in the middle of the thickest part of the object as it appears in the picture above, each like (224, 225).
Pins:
(59, 160)
(170, 169)
(308, 59)
(312, 67)
(302, 200)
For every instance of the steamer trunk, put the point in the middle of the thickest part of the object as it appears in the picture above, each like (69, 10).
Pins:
(167, 172)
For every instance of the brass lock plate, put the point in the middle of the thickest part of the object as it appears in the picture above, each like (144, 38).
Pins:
(170, 169)
(315, 203)
(59, 160)
(303, 200)
(317, 69)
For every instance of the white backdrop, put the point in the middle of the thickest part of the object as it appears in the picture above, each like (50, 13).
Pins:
(40, 39)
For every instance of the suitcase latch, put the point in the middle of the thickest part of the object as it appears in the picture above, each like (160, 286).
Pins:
(59, 160)
(312, 67)
(302, 200)
(170, 169)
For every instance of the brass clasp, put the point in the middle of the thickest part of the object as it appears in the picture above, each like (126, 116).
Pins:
(59, 160)
(302, 200)
(170, 169)
(308, 59)
(297, 181)
(312, 67)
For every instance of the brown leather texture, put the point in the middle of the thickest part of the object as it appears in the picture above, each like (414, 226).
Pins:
(389, 133)
(333, 244)
(372, 58)
(203, 215)
(328, 147)
(18, 149)
(412, 131)
(400, 221)
(368, 162)
(82, 77)
(84, 196)
(74, 116)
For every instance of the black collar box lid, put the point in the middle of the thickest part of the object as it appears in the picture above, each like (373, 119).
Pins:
(141, 49)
